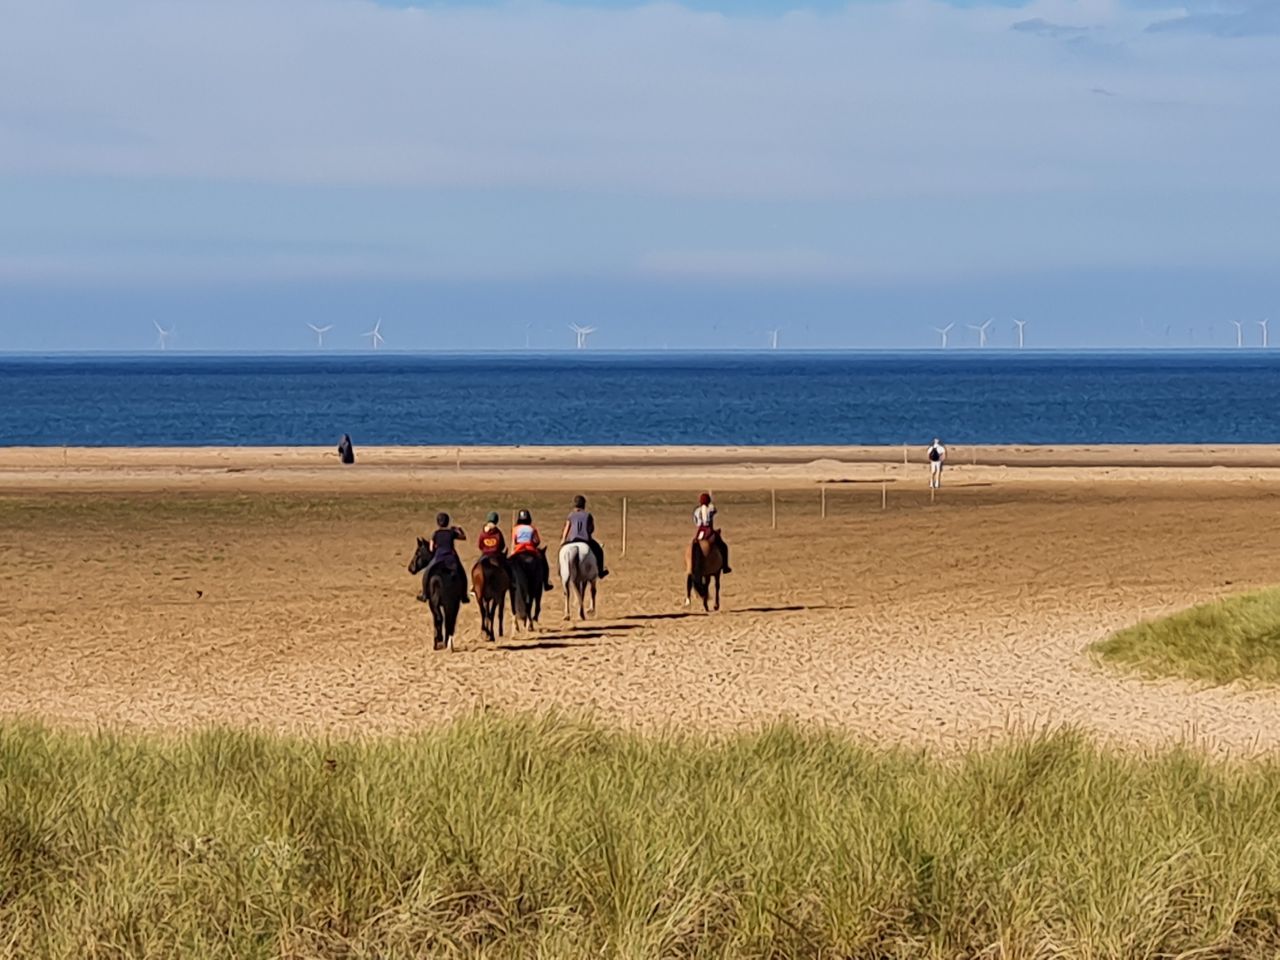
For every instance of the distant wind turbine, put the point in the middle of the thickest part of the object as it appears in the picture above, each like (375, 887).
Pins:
(943, 332)
(1265, 340)
(1022, 329)
(320, 332)
(582, 333)
(773, 339)
(375, 336)
(982, 331)
(1239, 333)
(162, 336)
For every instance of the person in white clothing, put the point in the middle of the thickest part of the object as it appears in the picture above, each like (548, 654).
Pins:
(937, 457)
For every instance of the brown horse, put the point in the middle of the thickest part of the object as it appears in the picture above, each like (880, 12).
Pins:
(705, 564)
(491, 583)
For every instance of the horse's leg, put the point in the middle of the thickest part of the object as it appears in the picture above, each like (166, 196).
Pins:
(451, 623)
(568, 588)
(688, 590)
(437, 623)
(593, 598)
(717, 591)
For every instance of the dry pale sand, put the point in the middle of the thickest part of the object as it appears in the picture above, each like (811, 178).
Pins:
(168, 589)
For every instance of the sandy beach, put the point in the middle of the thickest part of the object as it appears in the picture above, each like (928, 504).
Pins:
(406, 469)
(267, 588)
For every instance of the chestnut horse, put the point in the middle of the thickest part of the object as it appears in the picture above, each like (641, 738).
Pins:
(706, 564)
(490, 583)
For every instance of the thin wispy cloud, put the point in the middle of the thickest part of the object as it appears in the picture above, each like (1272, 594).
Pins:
(217, 139)
(1246, 20)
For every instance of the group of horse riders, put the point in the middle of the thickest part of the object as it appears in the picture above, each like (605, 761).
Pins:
(579, 527)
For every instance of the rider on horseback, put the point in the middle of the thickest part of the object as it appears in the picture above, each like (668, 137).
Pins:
(581, 528)
(492, 544)
(704, 517)
(491, 541)
(526, 539)
(444, 551)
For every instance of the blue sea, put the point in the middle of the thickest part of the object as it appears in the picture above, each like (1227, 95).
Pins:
(599, 398)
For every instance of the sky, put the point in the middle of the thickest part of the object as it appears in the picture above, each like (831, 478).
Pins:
(677, 174)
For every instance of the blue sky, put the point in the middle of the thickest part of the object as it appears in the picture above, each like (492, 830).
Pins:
(686, 174)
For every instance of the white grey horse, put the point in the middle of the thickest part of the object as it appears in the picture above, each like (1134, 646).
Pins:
(578, 571)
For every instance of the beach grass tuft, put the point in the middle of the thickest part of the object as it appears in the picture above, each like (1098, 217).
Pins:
(1236, 638)
(504, 836)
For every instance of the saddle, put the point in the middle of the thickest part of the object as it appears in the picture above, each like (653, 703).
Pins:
(706, 533)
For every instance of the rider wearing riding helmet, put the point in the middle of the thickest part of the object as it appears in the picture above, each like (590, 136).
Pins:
(704, 518)
(491, 541)
(580, 527)
(444, 551)
(526, 539)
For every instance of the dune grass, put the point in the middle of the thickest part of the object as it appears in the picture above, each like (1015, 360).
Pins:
(542, 837)
(1236, 638)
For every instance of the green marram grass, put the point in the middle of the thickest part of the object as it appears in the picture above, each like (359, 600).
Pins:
(1237, 638)
(519, 837)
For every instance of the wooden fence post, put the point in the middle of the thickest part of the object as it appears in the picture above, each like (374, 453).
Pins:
(624, 526)
(773, 500)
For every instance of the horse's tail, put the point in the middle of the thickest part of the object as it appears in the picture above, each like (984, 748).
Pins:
(521, 598)
(700, 565)
(569, 556)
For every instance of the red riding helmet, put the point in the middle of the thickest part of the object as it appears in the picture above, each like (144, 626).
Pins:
(704, 500)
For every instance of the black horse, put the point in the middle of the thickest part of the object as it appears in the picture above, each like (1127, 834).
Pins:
(528, 577)
(443, 587)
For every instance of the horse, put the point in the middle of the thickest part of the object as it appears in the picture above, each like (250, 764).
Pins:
(491, 584)
(528, 575)
(443, 589)
(579, 571)
(707, 562)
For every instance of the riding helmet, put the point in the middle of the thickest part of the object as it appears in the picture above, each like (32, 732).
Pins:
(524, 516)
(579, 501)
(705, 499)
(442, 519)
(492, 517)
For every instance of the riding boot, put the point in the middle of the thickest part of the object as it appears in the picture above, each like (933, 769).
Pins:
(599, 552)
(466, 589)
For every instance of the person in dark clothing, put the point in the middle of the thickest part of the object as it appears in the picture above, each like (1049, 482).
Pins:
(580, 527)
(346, 452)
(444, 550)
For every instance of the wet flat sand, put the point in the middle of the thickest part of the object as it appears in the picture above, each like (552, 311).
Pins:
(171, 589)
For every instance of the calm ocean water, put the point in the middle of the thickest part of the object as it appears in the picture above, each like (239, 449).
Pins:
(628, 399)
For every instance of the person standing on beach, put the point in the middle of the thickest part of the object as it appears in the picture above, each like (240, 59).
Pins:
(937, 457)
(346, 452)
